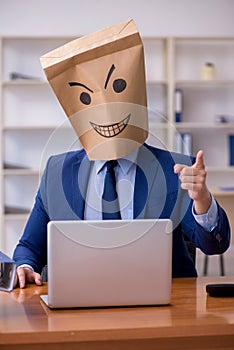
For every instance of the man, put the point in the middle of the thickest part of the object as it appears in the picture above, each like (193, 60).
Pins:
(100, 82)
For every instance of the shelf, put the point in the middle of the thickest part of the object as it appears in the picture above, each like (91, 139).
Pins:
(202, 83)
(15, 217)
(9, 210)
(155, 126)
(227, 169)
(201, 125)
(157, 82)
(217, 192)
(21, 172)
(24, 82)
(211, 39)
(35, 128)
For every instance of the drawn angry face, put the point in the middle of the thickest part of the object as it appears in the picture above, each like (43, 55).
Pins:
(119, 85)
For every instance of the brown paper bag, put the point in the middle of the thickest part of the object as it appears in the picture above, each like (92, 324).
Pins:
(99, 80)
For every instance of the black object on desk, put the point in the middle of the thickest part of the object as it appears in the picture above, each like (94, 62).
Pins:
(7, 273)
(220, 289)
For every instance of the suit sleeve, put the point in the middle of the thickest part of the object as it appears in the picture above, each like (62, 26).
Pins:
(211, 242)
(32, 246)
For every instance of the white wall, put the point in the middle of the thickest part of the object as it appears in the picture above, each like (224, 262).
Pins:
(153, 17)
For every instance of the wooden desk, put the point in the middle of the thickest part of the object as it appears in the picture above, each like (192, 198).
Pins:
(192, 321)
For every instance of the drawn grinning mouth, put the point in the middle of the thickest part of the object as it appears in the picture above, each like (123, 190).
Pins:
(111, 130)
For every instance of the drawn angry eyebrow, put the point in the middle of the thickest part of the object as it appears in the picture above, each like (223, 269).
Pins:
(75, 83)
(112, 68)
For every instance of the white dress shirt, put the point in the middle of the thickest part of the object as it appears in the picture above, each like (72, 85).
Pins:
(125, 180)
(125, 175)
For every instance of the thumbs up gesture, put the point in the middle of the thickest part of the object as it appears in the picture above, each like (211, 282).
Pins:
(193, 179)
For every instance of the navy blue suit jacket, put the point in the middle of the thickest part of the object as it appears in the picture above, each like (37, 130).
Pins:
(157, 194)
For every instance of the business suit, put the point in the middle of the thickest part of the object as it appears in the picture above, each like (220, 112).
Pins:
(157, 194)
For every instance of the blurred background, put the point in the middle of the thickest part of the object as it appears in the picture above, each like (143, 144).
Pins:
(189, 55)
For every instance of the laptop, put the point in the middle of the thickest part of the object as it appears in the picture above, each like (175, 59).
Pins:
(109, 263)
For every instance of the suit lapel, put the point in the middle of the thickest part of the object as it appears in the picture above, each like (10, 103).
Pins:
(80, 183)
(147, 168)
(75, 182)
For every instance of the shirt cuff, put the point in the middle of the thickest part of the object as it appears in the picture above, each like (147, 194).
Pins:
(28, 266)
(208, 220)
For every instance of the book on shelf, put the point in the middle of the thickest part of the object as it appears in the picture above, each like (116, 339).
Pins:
(178, 104)
(226, 188)
(231, 150)
(183, 143)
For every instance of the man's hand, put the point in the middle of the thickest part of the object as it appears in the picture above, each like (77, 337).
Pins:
(193, 179)
(24, 275)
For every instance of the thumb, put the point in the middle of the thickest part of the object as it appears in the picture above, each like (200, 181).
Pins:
(199, 163)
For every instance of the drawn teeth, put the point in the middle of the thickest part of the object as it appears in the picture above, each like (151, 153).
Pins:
(112, 129)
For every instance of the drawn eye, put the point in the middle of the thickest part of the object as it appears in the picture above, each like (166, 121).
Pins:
(85, 98)
(119, 85)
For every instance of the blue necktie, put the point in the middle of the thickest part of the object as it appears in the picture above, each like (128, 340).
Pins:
(110, 203)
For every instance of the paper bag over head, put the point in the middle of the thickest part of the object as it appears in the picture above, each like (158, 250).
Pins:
(99, 79)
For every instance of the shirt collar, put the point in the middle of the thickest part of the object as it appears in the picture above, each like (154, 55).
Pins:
(125, 162)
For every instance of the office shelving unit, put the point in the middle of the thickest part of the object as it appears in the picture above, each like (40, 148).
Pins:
(33, 125)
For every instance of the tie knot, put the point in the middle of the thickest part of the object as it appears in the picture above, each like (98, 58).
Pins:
(111, 164)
